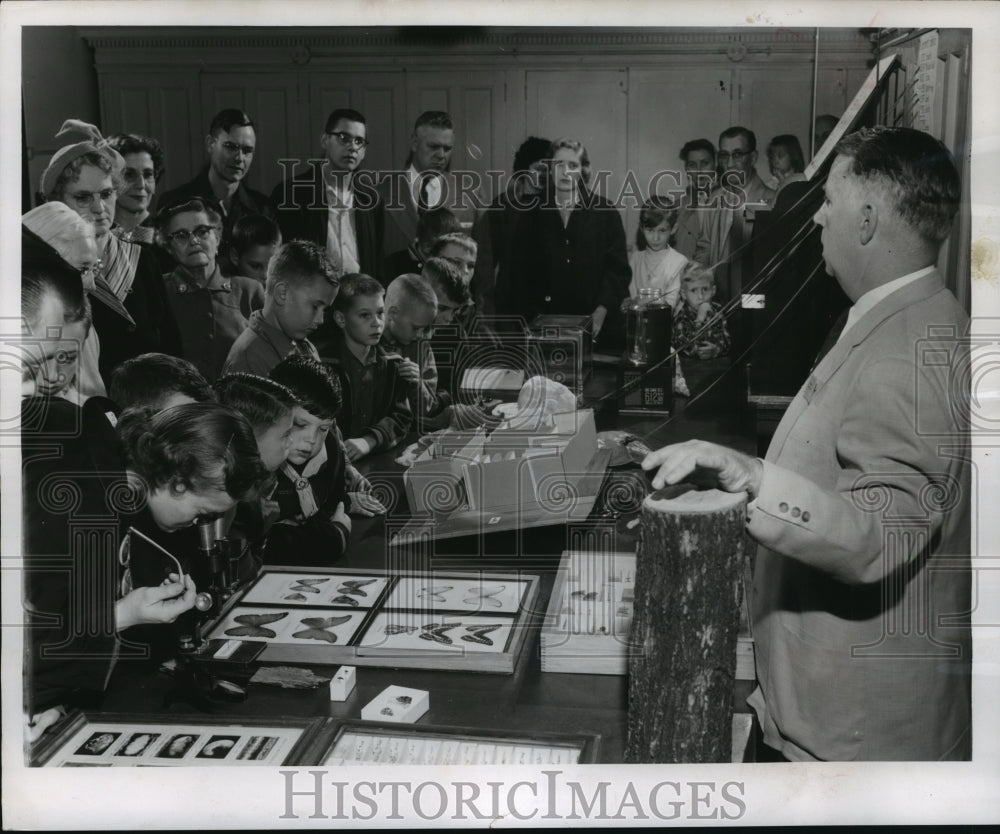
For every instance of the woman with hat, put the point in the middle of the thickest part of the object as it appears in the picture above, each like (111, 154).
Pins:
(86, 177)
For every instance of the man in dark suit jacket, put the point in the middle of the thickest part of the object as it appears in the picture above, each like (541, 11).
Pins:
(427, 183)
(230, 144)
(335, 206)
(862, 582)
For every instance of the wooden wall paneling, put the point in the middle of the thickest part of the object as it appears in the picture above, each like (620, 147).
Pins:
(515, 129)
(666, 108)
(500, 87)
(382, 104)
(476, 101)
(272, 101)
(832, 91)
(480, 131)
(378, 96)
(163, 106)
(774, 101)
(590, 105)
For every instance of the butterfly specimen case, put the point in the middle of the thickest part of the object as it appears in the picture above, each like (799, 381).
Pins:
(461, 621)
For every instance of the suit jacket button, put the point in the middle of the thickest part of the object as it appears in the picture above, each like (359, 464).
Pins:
(783, 507)
(805, 516)
(796, 512)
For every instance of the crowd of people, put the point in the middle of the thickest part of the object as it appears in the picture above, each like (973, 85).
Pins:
(186, 278)
(234, 354)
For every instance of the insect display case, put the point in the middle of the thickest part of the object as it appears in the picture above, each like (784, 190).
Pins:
(121, 740)
(463, 621)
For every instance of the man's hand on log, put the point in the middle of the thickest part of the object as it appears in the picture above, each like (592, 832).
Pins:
(705, 464)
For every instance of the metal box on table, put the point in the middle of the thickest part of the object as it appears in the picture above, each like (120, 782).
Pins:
(562, 347)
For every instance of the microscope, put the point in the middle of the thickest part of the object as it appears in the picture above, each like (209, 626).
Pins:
(216, 570)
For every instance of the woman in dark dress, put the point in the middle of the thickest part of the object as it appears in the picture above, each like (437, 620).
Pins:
(571, 251)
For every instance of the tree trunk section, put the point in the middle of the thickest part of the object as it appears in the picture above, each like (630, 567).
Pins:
(682, 662)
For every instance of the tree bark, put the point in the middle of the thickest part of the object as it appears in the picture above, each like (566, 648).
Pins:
(682, 663)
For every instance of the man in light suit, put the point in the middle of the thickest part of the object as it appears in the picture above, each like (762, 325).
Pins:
(861, 507)
(428, 183)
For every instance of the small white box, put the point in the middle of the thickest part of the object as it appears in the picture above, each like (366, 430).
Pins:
(397, 703)
(342, 684)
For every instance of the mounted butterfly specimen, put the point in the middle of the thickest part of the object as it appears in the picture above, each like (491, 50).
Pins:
(480, 594)
(479, 633)
(342, 600)
(435, 632)
(318, 628)
(434, 593)
(393, 628)
(297, 597)
(309, 585)
(354, 586)
(586, 595)
(252, 625)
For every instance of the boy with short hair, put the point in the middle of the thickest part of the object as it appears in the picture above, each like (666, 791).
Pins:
(699, 328)
(453, 298)
(255, 239)
(312, 526)
(301, 283)
(452, 292)
(375, 414)
(410, 312)
(430, 226)
(158, 381)
(458, 248)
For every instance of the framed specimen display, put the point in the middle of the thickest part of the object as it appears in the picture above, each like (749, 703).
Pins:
(589, 615)
(463, 621)
(370, 743)
(119, 740)
(586, 626)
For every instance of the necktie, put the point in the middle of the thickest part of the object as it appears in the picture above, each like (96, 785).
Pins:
(423, 204)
